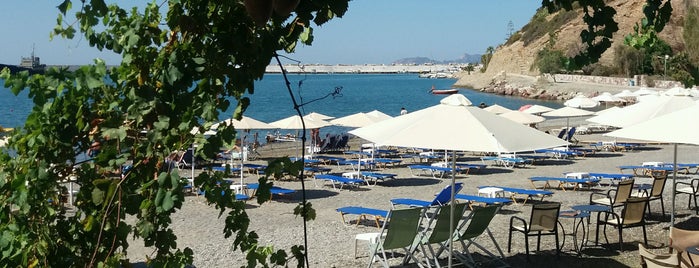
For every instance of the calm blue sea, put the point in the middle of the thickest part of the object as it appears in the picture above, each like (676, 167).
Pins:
(360, 93)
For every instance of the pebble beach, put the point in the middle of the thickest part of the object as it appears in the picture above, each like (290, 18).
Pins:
(331, 241)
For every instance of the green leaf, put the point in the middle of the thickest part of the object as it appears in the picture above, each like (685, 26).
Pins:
(168, 201)
(97, 196)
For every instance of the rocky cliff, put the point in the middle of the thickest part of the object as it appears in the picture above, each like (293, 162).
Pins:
(518, 57)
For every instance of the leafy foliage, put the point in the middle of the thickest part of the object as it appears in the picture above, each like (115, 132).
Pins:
(180, 66)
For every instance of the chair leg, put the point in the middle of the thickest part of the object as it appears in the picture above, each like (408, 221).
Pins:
(558, 249)
(538, 241)
(662, 206)
(645, 238)
(621, 238)
(526, 245)
(509, 242)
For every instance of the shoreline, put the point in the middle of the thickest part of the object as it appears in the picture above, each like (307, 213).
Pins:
(541, 88)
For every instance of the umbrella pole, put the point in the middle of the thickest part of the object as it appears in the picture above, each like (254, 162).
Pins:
(451, 207)
(674, 187)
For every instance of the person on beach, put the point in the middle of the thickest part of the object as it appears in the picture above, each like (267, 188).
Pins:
(403, 111)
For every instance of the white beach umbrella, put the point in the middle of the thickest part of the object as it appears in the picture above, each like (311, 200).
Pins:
(645, 91)
(535, 109)
(357, 120)
(610, 109)
(294, 122)
(607, 97)
(672, 127)
(677, 91)
(567, 112)
(626, 94)
(319, 116)
(581, 101)
(522, 117)
(642, 111)
(456, 125)
(496, 109)
(245, 123)
(379, 114)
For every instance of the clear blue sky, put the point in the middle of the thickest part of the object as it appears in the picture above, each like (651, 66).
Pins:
(378, 31)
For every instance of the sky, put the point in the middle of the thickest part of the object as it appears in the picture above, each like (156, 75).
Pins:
(371, 32)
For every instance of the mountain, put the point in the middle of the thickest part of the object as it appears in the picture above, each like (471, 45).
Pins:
(466, 58)
(518, 54)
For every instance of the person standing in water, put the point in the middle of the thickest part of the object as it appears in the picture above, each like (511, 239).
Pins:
(403, 111)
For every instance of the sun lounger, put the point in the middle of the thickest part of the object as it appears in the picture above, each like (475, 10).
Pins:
(363, 212)
(473, 199)
(328, 160)
(565, 181)
(468, 167)
(337, 182)
(527, 193)
(509, 162)
(384, 162)
(436, 172)
(443, 197)
(376, 176)
(560, 153)
(274, 190)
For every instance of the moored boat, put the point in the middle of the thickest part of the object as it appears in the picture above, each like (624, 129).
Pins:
(444, 91)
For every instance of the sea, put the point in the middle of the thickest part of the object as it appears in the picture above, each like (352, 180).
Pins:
(334, 95)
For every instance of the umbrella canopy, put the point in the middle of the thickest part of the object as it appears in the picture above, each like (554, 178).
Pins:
(645, 91)
(244, 123)
(319, 116)
(379, 114)
(455, 125)
(357, 120)
(610, 109)
(496, 109)
(607, 97)
(522, 117)
(294, 122)
(581, 101)
(567, 112)
(626, 94)
(672, 127)
(677, 91)
(642, 111)
(536, 109)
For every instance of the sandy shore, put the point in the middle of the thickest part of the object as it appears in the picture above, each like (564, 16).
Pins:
(331, 241)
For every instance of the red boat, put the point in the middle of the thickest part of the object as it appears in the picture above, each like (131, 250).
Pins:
(443, 91)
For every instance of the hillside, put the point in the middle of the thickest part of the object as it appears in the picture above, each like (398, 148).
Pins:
(518, 57)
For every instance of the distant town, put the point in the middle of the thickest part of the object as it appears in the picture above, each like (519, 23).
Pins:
(426, 70)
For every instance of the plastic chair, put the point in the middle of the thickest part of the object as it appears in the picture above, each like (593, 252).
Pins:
(620, 195)
(440, 230)
(691, 189)
(680, 240)
(656, 193)
(543, 222)
(399, 231)
(478, 222)
(653, 260)
(633, 215)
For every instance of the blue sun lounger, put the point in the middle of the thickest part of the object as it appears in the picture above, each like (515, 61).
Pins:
(509, 162)
(275, 190)
(363, 212)
(436, 172)
(338, 182)
(376, 176)
(472, 199)
(443, 197)
(564, 181)
(527, 193)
